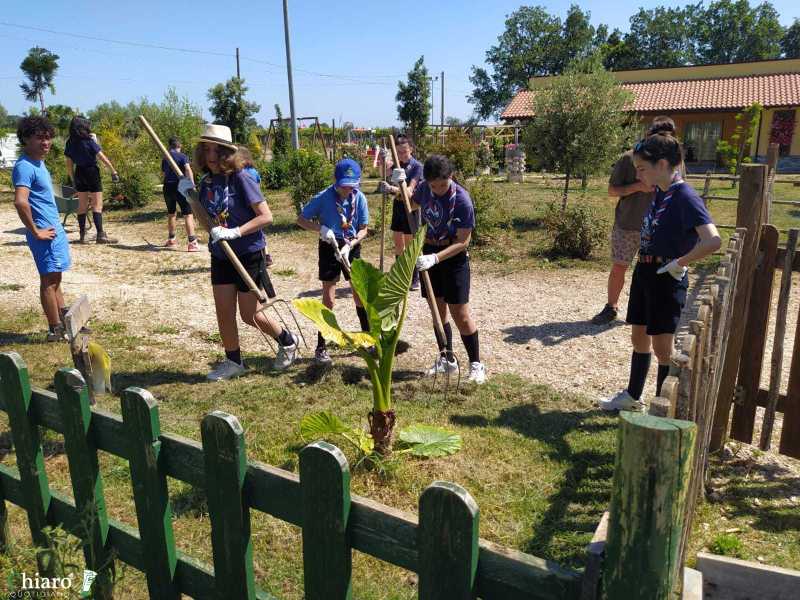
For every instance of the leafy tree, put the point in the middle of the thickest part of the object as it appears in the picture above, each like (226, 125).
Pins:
(60, 116)
(40, 68)
(3, 117)
(617, 54)
(731, 31)
(281, 143)
(581, 123)
(659, 37)
(534, 43)
(412, 99)
(734, 151)
(790, 44)
(229, 107)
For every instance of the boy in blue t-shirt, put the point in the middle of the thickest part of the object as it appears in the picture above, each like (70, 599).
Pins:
(36, 206)
(341, 216)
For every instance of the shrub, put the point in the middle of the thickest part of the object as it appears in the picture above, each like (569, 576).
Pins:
(275, 173)
(5, 179)
(575, 231)
(309, 173)
(727, 545)
(490, 212)
(55, 162)
(459, 149)
(132, 191)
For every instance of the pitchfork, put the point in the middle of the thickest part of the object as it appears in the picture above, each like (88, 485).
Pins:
(438, 328)
(268, 298)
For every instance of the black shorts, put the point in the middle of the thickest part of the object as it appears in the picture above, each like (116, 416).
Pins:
(87, 179)
(656, 300)
(224, 273)
(173, 197)
(449, 278)
(399, 218)
(329, 268)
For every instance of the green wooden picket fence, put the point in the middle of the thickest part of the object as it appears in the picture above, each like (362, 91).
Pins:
(443, 546)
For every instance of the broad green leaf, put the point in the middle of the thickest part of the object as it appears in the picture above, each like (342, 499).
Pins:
(325, 321)
(365, 442)
(397, 281)
(367, 281)
(314, 426)
(430, 441)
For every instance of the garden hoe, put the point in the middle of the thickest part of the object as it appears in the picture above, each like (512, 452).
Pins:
(438, 328)
(268, 298)
(384, 197)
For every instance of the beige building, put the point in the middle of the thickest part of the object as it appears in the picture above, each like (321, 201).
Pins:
(704, 101)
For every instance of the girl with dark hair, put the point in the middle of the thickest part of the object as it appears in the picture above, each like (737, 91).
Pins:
(81, 152)
(235, 205)
(677, 230)
(448, 212)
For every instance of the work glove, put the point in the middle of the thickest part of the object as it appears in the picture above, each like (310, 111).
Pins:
(398, 175)
(326, 235)
(223, 233)
(115, 177)
(387, 188)
(345, 252)
(185, 185)
(426, 261)
(674, 269)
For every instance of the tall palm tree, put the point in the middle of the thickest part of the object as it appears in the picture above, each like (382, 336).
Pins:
(40, 68)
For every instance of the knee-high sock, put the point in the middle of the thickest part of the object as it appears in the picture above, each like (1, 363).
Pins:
(640, 364)
(320, 341)
(448, 342)
(82, 223)
(97, 217)
(363, 319)
(472, 346)
(663, 371)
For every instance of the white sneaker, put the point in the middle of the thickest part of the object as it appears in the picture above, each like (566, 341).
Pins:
(622, 400)
(477, 373)
(225, 370)
(442, 366)
(286, 355)
(321, 357)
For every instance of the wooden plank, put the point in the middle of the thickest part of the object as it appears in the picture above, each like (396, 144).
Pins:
(225, 467)
(733, 579)
(780, 259)
(448, 542)
(755, 332)
(16, 393)
(692, 584)
(325, 498)
(669, 390)
(77, 316)
(150, 493)
(87, 482)
(776, 366)
(763, 398)
(595, 552)
(749, 215)
(651, 482)
(790, 430)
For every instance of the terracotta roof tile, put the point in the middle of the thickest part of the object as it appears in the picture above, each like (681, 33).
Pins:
(730, 93)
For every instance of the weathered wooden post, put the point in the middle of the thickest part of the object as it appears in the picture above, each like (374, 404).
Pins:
(750, 215)
(651, 479)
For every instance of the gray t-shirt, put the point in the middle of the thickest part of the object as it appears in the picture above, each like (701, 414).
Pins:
(630, 209)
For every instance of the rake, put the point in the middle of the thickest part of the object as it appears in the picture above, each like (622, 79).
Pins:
(267, 297)
(438, 327)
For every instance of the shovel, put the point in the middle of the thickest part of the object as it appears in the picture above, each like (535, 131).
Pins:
(268, 298)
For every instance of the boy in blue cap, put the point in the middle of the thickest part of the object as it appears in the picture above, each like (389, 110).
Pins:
(36, 207)
(340, 214)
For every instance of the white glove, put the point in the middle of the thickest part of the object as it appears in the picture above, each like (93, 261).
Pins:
(386, 188)
(674, 269)
(185, 185)
(345, 252)
(223, 233)
(326, 235)
(398, 175)
(426, 261)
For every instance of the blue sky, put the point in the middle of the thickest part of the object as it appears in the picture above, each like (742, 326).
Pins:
(347, 57)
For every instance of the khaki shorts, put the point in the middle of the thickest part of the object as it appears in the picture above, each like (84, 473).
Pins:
(624, 245)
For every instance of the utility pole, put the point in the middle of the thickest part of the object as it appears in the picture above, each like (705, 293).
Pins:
(238, 76)
(442, 108)
(295, 139)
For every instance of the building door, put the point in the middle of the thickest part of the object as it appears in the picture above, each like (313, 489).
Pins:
(700, 140)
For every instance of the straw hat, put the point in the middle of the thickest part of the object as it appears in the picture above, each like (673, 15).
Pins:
(218, 134)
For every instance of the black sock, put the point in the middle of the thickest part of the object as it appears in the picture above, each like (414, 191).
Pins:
(234, 356)
(472, 346)
(171, 235)
(363, 319)
(82, 223)
(285, 338)
(97, 217)
(640, 364)
(320, 341)
(192, 238)
(663, 371)
(448, 348)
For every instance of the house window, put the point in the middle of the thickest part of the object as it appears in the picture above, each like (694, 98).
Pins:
(700, 140)
(782, 130)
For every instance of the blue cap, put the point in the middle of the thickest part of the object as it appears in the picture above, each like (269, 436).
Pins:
(347, 173)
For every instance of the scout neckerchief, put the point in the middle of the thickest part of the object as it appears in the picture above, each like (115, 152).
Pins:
(656, 210)
(345, 215)
(217, 205)
(451, 207)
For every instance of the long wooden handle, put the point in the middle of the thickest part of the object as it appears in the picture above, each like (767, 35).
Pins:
(384, 197)
(423, 275)
(201, 214)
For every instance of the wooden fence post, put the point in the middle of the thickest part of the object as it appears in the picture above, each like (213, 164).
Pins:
(790, 431)
(325, 496)
(651, 481)
(225, 466)
(87, 482)
(750, 215)
(16, 389)
(447, 542)
(150, 493)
